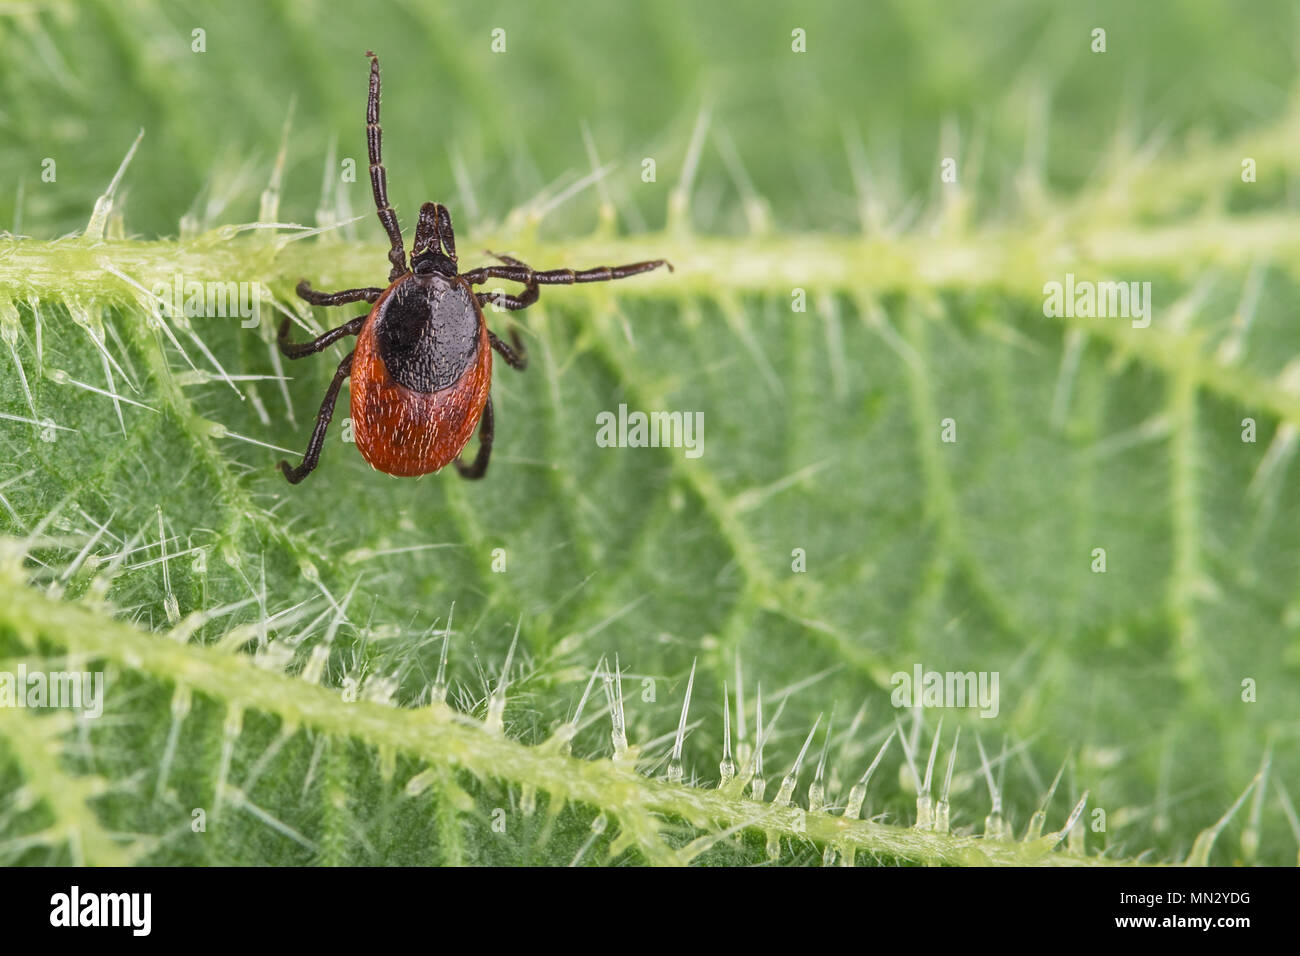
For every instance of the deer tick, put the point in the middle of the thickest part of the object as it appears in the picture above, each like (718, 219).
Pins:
(422, 367)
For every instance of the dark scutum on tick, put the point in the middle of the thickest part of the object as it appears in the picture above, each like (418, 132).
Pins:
(424, 354)
(428, 334)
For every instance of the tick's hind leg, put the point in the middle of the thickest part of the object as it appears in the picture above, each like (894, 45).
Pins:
(305, 291)
(323, 417)
(486, 427)
(303, 349)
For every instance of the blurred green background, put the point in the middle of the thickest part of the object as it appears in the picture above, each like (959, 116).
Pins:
(80, 78)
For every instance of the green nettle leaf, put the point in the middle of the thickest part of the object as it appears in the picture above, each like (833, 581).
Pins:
(938, 508)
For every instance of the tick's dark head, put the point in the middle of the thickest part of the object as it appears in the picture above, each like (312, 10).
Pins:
(433, 263)
(435, 242)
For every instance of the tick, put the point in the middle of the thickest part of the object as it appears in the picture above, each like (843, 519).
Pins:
(422, 367)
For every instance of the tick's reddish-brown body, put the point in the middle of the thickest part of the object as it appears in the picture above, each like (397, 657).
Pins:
(422, 369)
(401, 430)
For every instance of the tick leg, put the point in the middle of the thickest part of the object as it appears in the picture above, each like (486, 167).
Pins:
(599, 273)
(508, 302)
(378, 177)
(508, 260)
(319, 344)
(485, 429)
(513, 353)
(312, 457)
(516, 271)
(305, 291)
